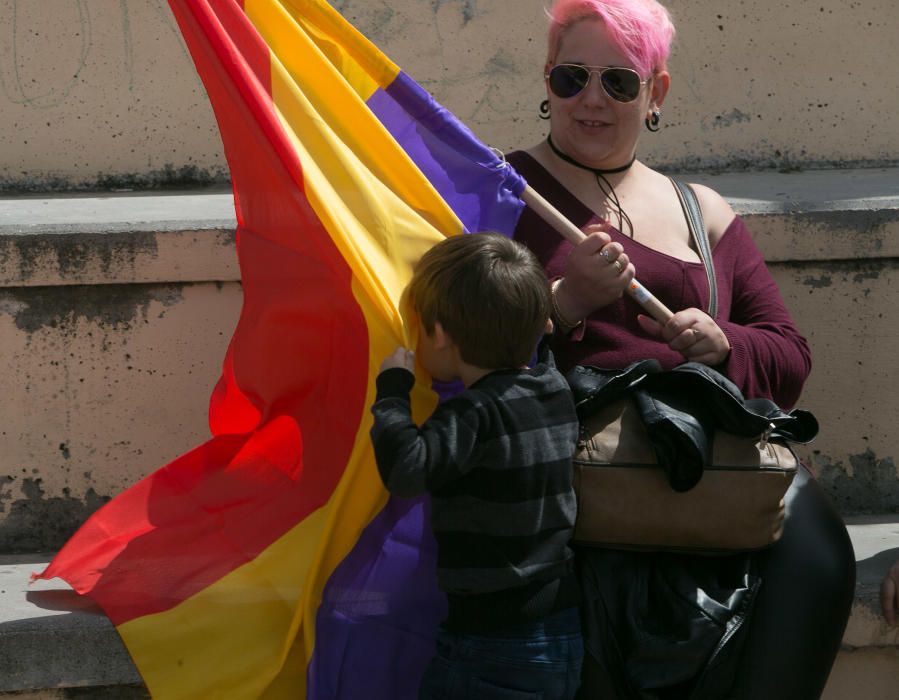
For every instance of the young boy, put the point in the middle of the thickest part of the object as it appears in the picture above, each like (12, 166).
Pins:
(496, 459)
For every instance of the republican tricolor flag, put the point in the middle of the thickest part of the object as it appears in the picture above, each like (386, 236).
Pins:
(269, 561)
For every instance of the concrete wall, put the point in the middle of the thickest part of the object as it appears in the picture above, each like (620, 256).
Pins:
(113, 337)
(99, 384)
(112, 343)
(102, 93)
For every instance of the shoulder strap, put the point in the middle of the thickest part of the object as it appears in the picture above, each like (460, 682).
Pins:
(693, 215)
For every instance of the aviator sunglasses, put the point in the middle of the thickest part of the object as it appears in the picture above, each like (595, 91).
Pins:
(569, 79)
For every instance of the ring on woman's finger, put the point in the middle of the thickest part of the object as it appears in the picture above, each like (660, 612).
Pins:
(618, 265)
(604, 254)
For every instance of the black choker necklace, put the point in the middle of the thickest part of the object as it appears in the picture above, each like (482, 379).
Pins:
(596, 171)
(605, 186)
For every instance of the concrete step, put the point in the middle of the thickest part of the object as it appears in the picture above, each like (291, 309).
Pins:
(50, 638)
(822, 210)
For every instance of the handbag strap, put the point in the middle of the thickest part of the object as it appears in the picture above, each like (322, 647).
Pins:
(693, 214)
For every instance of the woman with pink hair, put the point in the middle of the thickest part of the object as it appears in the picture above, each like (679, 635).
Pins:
(662, 625)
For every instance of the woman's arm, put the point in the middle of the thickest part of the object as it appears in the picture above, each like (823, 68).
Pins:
(769, 357)
(757, 345)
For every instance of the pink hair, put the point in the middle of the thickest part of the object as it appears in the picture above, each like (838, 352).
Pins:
(641, 29)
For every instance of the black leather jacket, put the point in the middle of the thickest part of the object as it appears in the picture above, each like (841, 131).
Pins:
(683, 407)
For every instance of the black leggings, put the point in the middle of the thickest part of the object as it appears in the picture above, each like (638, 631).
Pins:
(800, 614)
(804, 602)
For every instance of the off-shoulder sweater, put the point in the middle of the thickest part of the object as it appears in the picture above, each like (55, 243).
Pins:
(769, 356)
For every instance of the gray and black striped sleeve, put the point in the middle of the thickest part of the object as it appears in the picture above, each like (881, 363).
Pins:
(413, 460)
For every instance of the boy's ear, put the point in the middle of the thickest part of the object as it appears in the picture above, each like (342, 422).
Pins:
(442, 339)
(548, 328)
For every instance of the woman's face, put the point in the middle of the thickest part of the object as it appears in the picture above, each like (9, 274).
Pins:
(591, 127)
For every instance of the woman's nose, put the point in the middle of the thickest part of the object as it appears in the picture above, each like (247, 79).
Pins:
(593, 91)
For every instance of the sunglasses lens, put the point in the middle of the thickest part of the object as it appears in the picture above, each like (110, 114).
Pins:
(621, 84)
(567, 81)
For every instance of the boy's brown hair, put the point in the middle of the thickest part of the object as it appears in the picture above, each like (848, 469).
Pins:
(488, 292)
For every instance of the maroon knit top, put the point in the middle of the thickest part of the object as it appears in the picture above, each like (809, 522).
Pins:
(769, 357)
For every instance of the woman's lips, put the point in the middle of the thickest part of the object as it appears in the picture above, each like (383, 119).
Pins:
(592, 123)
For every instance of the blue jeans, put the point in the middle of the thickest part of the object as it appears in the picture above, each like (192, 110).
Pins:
(538, 660)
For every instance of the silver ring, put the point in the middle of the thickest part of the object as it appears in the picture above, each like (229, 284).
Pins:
(618, 265)
(604, 254)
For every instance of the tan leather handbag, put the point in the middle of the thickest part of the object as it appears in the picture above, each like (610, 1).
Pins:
(625, 499)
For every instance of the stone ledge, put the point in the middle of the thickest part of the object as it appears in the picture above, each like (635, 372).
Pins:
(117, 212)
(52, 638)
(815, 215)
(806, 191)
(124, 238)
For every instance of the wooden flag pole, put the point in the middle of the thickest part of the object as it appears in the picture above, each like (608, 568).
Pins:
(574, 235)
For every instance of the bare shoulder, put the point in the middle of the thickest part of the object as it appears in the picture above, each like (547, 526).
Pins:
(716, 212)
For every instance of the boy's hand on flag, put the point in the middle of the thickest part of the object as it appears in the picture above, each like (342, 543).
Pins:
(402, 358)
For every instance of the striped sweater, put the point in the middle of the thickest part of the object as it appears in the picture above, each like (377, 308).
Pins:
(496, 460)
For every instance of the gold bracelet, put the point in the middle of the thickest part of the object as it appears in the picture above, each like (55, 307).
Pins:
(565, 326)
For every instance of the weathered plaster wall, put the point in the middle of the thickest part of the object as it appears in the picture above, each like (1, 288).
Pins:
(848, 311)
(100, 383)
(111, 344)
(103, 93)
